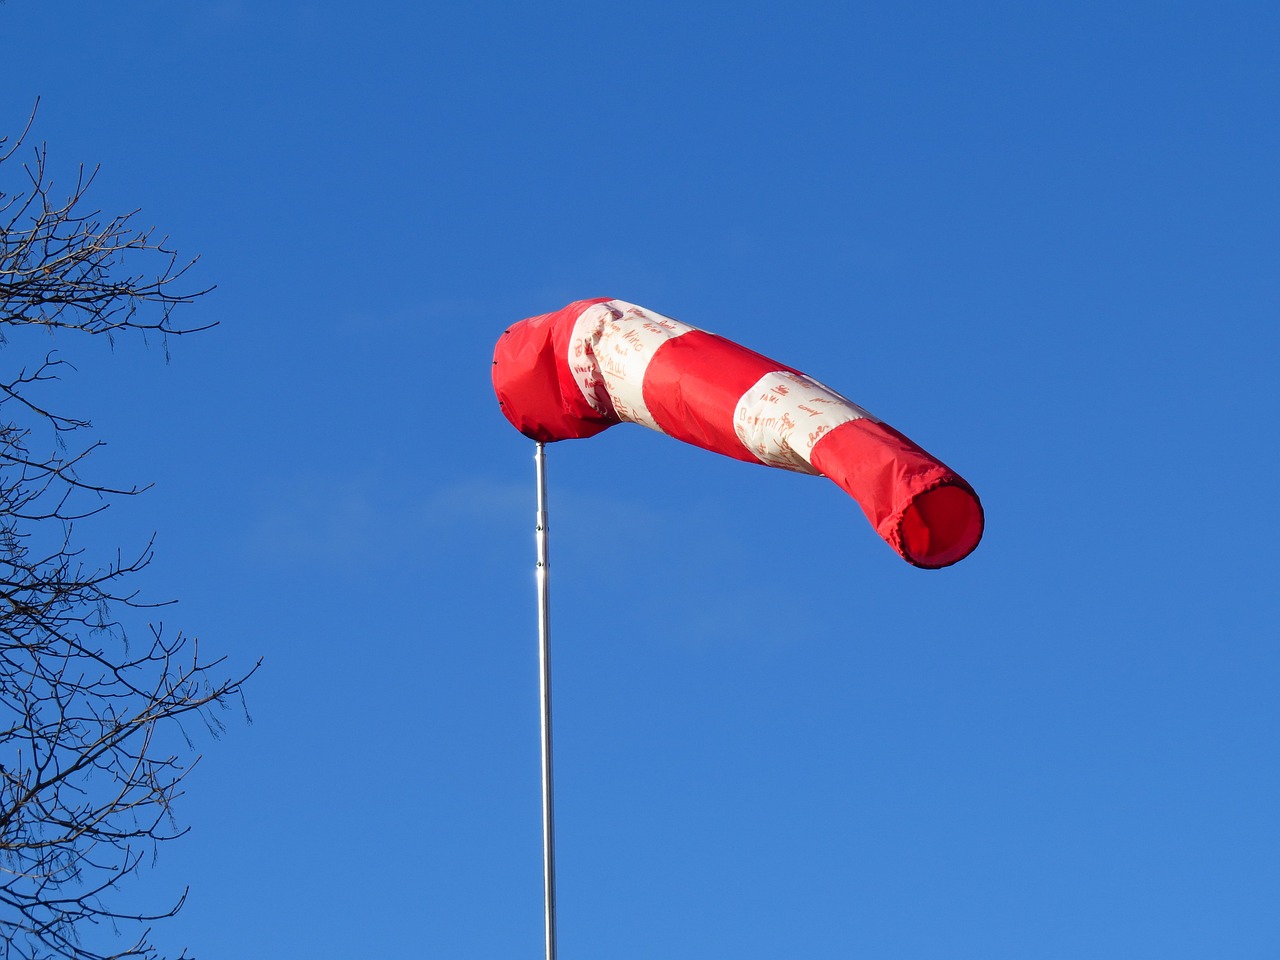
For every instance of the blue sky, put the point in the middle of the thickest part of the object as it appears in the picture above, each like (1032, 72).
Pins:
(1040, 239)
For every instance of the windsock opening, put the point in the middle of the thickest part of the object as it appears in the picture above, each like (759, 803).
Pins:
(941, 526)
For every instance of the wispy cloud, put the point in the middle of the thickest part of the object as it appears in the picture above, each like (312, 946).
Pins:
(369, 520)
(315, 521)
(479, 499)
(373, 521)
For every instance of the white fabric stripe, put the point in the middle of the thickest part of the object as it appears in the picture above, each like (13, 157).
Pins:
(784, 414)
(609, 352)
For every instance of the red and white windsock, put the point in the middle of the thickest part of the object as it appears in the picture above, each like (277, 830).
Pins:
(580, 370)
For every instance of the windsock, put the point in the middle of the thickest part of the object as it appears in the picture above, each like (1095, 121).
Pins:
(579, 370)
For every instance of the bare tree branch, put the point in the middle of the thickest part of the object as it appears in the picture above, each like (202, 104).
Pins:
(92, 749)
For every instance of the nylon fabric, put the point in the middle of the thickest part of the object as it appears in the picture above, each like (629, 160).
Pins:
(610, 350)
(574, 372)
(784, 414)
(694, 386)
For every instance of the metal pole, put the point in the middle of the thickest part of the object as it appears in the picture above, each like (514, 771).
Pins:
(544, 673)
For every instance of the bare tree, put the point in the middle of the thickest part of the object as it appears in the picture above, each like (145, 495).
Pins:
(93, 697)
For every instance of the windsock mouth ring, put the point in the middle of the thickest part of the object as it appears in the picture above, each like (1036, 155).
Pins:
(941, 526)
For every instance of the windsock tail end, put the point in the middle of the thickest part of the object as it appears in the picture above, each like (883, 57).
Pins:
(918, 504)
(940, 526)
